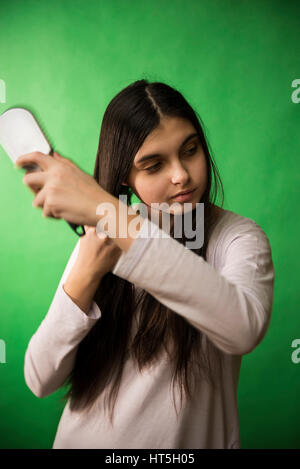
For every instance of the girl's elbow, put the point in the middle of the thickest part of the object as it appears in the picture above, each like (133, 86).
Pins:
(254, 320)
(37, 390)
(251, 336)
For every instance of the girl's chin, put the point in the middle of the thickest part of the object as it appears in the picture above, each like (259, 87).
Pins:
(174, 208)
(182, 207)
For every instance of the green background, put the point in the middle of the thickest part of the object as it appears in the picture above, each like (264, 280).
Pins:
(234, 61)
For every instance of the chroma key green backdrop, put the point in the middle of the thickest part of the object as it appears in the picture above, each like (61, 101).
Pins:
(235, 62)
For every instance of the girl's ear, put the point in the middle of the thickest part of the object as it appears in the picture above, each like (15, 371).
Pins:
(124, 184)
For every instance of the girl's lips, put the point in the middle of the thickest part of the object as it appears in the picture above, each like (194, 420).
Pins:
(184, 197)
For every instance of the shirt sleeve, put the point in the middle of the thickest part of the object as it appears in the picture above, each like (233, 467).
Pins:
(50, 354)
(231, 304)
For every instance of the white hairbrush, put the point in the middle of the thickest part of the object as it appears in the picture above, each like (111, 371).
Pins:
(20, 134)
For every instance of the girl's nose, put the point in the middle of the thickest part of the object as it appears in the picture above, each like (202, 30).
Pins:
(179, 175)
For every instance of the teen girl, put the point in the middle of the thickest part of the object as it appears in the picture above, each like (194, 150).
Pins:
(149, 335)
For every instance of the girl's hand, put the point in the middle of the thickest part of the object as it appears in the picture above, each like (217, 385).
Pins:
(62, 189)
(96, 256)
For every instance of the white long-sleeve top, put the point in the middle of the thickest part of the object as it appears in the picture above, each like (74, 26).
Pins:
(229, 298)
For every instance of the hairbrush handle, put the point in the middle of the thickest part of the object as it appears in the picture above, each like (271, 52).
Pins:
(77, 227)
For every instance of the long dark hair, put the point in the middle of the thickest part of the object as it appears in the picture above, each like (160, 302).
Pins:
(129, 118)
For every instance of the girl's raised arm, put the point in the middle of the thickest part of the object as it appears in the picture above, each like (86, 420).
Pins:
(231, 303)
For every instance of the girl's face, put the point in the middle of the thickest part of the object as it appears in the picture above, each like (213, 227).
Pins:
(170, 160)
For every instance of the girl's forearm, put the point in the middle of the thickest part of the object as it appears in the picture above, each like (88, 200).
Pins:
(81, 288)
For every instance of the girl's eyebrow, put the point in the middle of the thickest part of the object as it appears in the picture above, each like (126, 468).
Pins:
(156, 155)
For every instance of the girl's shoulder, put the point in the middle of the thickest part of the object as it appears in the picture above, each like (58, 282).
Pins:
(230, 226)
(229, 221)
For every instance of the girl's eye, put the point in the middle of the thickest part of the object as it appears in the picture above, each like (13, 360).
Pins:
(155, 167)
(192, 150)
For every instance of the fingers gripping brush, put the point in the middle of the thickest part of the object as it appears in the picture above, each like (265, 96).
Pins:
(20, 134)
